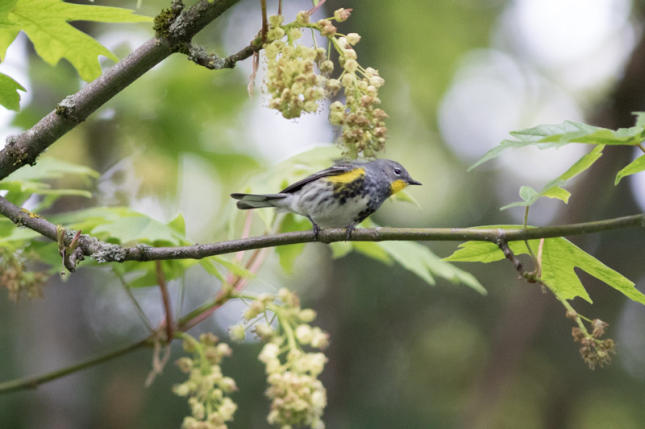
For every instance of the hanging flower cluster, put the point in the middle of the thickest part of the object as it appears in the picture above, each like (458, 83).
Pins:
(206, 387)
(595, 351)
(15, 276)
(298, 398)
(299, 77)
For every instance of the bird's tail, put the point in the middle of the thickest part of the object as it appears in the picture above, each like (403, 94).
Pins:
(255, 201)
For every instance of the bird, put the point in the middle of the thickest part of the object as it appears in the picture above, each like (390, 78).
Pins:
(340, 196)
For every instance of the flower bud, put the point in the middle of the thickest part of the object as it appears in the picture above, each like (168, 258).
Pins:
(342, 14)
(349, 54)
(185, 364)
(327, 66)
(304, 334)
(336, 106)
(275, 20)
(307, 314)
(353, 38)
(302, 17)
(237, 332)
(269, 351)
(228, 384)
(350, 65)
(294, 34)
(348, 79)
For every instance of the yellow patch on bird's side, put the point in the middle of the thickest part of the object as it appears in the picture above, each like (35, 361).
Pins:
(398, 185)
(348, 177)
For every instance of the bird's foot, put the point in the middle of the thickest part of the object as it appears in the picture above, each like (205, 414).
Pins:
(316, 229)
(348, 232)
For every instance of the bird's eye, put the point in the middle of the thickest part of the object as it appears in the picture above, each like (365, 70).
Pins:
(397, 171)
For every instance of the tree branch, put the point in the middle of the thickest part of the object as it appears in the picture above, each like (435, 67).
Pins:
(183, 324)
(34, 382)
(25, 148)
(106, 252)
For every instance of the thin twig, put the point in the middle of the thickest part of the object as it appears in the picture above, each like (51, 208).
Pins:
(24, 148)
(641, 147)
(106, 252)
(163, 287)
(34, 382)
(265, 22)
(315, 8)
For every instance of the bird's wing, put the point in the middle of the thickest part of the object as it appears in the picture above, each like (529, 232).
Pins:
(331, 171)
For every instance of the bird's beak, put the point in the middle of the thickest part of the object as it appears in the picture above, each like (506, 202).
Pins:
(413, 182)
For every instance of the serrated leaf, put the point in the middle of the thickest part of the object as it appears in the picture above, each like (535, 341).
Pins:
(121, 225)
(421, 261)
(560, 257)
(557, 135)
(45, 22)
(9, 96)
(554, 189)
(633, 167)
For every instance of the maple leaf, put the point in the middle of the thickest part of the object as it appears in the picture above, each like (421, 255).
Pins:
(560, 257)
(46, 23)
(9, 96)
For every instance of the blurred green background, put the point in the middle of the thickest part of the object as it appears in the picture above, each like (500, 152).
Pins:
(459, 75)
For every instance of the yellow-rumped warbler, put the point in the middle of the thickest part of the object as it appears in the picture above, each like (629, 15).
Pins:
(340, 196)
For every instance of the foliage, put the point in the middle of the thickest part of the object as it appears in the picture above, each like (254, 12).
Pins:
(560, 257)
(45, 22)
(298, 81)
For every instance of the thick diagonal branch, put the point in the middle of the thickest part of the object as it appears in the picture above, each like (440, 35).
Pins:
(25, 148)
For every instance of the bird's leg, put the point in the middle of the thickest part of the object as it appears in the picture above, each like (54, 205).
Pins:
(348, 231)
(316, 227)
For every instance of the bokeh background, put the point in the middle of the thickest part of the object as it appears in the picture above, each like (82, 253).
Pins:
(459, 75)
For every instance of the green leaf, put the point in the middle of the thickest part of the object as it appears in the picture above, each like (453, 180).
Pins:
(289, 253)
(560, 257)
(178, 224)
(138, 277)
(421, 261)
(122, 225)
(233, 267)
(340, 248)
(27, 181)
(372, 250)
(138, 229)
(51, 168)
(633, 167)
(547, 136)
(9, 96)
(554, 189)
(45, 22)
(210, 268)
(405, 197)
